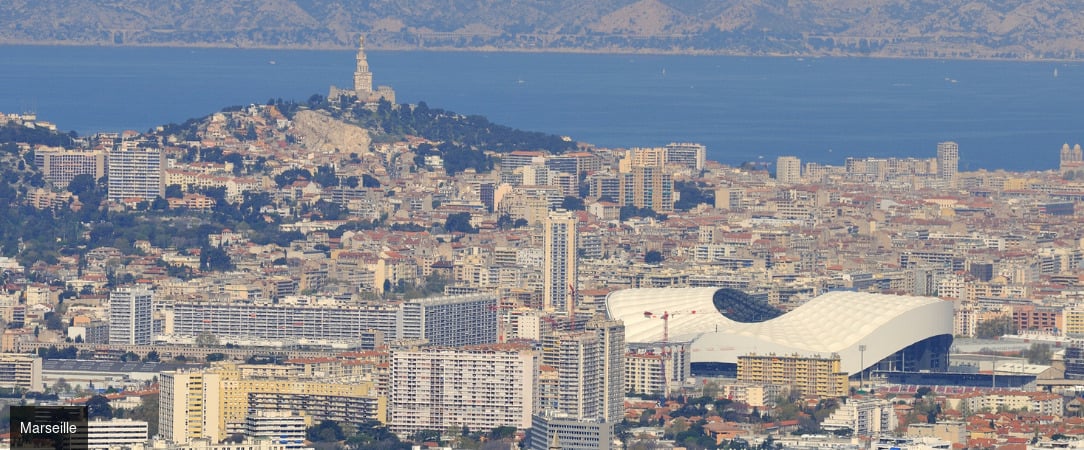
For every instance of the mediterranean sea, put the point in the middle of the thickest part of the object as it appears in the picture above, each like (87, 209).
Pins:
(1004, 115)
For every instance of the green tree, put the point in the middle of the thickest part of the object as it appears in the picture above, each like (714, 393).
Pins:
(996, 327)
(653, 257)
(98, 407)
(572, 203)
(214, 259)
(174, 191)
(1038, 353)
(459, 223)
(325, 431)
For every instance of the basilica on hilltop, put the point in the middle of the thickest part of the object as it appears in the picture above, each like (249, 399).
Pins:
(363, 83)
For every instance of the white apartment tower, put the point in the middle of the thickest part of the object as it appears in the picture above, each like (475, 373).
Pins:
(560, 268)
(136, 173)
(130, 320)
(686, 154)
(578, 358)
(788, 169)
(482, 387)
(611, 335)
(948, 161)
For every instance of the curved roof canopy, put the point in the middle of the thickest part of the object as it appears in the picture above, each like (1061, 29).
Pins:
(839, 322)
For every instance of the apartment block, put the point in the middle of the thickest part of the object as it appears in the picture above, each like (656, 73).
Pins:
(481, 387)
(136, 173)
(130, 320)
(811, 375)
(60, 166)
(21, 372)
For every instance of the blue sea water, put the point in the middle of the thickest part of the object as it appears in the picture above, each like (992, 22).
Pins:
(1010, 115)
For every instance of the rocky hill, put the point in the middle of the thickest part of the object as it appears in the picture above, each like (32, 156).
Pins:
(1020, 29)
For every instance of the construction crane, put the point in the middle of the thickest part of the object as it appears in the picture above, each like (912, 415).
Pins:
(666, 315)
(665, 353)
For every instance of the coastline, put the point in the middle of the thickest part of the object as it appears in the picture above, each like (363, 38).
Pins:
(554, 50)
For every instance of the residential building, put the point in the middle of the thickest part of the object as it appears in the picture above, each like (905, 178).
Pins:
(189, 406)
(687, 154)
(283, 428)
(611, 335)
(19, 371)
(865, 417)
(480, 387)
(569, 432)
(130, 318)
(453, 321)
(788, 169)
(115, 433)
(60, 166)
(560, 262)
(136, 173)
(811, 375)
(948, 162)
(648, 187)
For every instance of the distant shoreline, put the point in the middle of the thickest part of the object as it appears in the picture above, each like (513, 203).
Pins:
(491, 49)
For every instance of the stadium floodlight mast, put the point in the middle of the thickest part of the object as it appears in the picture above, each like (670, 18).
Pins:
(862, 368)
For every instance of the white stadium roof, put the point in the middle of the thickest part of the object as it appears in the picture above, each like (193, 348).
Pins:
(837, 322)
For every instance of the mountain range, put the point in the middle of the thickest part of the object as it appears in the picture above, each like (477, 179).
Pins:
(1010, 29)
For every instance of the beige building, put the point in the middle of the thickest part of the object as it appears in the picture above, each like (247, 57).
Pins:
(788, 169)
(20, 372)
(214, 403)
(811, 375)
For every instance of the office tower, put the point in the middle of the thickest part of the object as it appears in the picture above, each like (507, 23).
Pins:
(612, 339)
(788, 169)
(481, 388)
(189, 406)
(130, 319)
(560, 269)
(686, 154)
(948, 161)
(60, 166)
(136, 173)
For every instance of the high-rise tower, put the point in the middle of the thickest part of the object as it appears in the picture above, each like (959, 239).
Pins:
(948, 161)
(788, 169)
(560, 269)
(363, 78)
(130, 319)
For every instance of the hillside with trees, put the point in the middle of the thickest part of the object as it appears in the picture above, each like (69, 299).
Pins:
(1016, 29)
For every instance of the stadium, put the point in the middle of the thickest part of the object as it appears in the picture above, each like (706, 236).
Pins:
(867, 331)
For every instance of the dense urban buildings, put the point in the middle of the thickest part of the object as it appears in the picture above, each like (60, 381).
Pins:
(273, 268)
